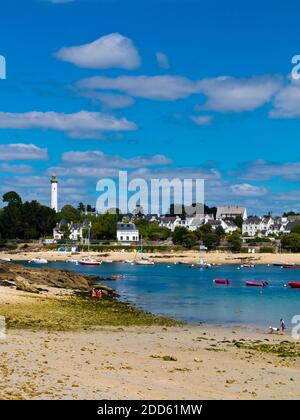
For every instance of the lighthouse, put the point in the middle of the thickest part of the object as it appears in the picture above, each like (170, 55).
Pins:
(54, 192)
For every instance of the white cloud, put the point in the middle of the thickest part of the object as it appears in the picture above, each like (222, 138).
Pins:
(110, 51)
(202, 119)
(224, 94)
(82, 123)
(21, 151)
(163, 60)
(18, 169)
(98, 158)
(108, 100)
(287, 102)
(262, 170)
(247, 190)
(161, 88)
(228, 94)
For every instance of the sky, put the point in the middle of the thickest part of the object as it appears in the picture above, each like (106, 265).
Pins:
(163, 88)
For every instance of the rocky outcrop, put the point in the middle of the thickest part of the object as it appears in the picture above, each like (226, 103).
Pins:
(65, 279)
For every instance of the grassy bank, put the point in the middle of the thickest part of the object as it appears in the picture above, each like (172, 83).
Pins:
(75, 313)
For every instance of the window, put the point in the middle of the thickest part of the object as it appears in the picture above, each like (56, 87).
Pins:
(127, 238)
(121, 238)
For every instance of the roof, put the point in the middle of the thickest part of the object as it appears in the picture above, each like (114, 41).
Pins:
(252, 221)
(234, 210)
(126, 226)
(214, 223)
(167, 219)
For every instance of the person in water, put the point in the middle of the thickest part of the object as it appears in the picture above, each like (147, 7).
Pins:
(282, 325)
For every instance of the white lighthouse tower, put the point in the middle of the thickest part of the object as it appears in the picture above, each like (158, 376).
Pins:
(54, 193)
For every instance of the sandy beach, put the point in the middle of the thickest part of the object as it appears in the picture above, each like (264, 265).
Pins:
(129, 363)
(169, 257)
(141, 362)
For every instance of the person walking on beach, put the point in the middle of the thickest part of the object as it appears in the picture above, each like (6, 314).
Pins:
(282, 326)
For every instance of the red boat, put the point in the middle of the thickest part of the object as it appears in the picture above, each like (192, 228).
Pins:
(294, 284)
(289, 266)
(222, 281)
(257, 283)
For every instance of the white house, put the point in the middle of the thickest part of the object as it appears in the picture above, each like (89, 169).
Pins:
(227, 225)
(251, 226)
(127, 233)
(226, 212)
(173, 222)
(263, 226)
(76, 230)
(198, 220)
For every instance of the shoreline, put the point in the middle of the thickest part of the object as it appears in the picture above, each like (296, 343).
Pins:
(145, 363)
(108, 360)
(190, 257)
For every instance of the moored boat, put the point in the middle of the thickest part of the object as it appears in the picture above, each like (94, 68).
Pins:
(289, 266)
(144, 262)
(89, 261)
(294, 284)
(38, 261)
(247, 265)
(222, 281)
(257, 283)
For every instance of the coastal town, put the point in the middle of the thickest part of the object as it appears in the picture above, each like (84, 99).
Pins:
(225, 228)
(149, 206)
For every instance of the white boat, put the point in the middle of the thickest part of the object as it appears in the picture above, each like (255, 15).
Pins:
(108, 261)
(6, 259)
(72, 261)
(38, 261)
(89, 261)
(203, 264)
(144, 262)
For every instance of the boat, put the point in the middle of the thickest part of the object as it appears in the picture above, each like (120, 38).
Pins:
(38, 261)
(294, 284)
(72, 261)
(247, 265)
(257, 283)
(108, 261)
(285, 265)
(118, 276)
(144, 262)
(89, 261)
(6, 259)
(222, 281)
(203, 264)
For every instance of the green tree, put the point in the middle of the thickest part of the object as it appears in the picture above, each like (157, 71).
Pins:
(81, 208)
(211, 240)
(12, 197)
(69, 214)
(179, 233)
(235, 242)
(291, 242)
(296, 228)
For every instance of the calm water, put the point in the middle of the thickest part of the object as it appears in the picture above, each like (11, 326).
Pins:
(189, 293)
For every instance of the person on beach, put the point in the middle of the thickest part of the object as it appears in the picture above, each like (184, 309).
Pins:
(282, 326)
(93, 293)
(98, 294)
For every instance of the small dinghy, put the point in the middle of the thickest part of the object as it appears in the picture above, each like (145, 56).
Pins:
(257, 283)
(289, 266)
(89, 261)
(222, 281)
(38, 261)
(294, 284)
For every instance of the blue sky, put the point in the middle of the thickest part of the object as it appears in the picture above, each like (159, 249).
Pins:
(161, 88)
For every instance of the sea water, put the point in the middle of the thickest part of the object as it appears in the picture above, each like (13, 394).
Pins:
(189, 294)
